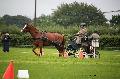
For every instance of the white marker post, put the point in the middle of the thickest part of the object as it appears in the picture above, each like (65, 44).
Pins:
(23, 74)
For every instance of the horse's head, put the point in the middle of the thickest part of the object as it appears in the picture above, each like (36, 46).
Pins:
(25, 28)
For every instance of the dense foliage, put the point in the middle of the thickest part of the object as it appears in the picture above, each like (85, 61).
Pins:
(76, 13)
(65, 20)
(115, 20)
(18, 20)
(44, 21)
(109, 41)
(109, 35)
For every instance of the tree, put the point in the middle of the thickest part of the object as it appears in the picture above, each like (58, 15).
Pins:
(44, 20)
(18, 20)
(115, 20)
(76, 13)
(12, 29)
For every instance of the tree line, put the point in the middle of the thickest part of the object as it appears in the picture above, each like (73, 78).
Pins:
(66, 17)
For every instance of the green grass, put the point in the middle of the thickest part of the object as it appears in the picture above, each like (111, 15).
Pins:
(50, 66)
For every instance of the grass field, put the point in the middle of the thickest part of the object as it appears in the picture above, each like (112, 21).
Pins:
(50, 66)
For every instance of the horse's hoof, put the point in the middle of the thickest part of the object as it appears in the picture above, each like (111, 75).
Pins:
(60, 55)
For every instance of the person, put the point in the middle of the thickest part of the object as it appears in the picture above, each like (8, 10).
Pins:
(95, 39)
(6, 42)
(82, 32)
(95, 36)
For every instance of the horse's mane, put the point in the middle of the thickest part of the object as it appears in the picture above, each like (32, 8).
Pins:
(33, 28)
(52, 32)
(36, 30)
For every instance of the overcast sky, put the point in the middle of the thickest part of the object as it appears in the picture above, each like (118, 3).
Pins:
(26, 7)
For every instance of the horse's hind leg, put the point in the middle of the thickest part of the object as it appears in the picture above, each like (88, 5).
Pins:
(61, 51)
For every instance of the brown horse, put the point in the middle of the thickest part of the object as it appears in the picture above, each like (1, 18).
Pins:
(45, 39)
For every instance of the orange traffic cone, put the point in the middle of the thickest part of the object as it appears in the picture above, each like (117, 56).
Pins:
(9, 73)
(65, 54)
(81, 54)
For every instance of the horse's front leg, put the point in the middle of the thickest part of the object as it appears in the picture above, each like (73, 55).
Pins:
(61, 51)
(34, 50)
(41, 53)
(37, 51)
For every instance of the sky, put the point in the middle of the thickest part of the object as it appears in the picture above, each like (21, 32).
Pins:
(26, 7)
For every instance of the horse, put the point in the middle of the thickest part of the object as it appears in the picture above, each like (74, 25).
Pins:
(45, 39)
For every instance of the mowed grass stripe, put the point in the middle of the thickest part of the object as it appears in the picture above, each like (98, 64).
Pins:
(50, 66)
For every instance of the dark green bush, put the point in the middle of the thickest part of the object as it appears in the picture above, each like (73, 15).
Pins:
(109, 36)
(25, 39)
(109, 41)
(18, 40)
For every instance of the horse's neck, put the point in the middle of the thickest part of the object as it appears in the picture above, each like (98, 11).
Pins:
(34, 33)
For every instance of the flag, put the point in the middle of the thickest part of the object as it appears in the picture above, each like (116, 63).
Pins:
(9, 72)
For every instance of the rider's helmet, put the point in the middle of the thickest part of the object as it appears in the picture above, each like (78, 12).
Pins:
(82, 24)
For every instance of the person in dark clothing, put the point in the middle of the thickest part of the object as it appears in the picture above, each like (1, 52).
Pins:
(72, 45)
(6, 42)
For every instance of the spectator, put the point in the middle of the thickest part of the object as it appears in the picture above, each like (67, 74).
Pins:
(6, 42)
